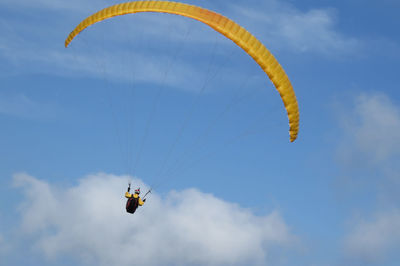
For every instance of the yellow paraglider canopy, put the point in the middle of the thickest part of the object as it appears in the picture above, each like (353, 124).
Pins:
(221, 24)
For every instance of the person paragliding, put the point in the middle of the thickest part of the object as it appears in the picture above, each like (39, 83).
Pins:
(134, 200)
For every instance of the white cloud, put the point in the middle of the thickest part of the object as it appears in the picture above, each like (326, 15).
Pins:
(372, 240)
(37, 47)
(88, 222)
(169, 60)
(369, 149)
(371, 130)
(283, 26)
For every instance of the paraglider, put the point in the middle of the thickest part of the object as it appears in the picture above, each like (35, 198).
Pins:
(134, 200)
(230, 29)
(225, 26)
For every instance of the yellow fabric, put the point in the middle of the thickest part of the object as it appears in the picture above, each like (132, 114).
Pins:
(129, 195)
(221, 24)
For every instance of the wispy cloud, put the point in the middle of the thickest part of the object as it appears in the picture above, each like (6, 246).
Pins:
(368, 151)
(371, 130)
(152, 62)
(369, 147)
(370, 240)
(277, 23)
(283, 26)
(88, 222)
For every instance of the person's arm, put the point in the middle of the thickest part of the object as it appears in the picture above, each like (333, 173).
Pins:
(128, 195)
(141, 202)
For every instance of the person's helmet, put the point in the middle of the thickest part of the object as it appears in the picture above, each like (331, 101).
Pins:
(137, 191)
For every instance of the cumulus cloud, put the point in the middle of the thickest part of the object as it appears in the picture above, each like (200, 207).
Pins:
(88, 222)
(372, 239)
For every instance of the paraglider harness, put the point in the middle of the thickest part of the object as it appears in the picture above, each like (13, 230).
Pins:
(133, 203)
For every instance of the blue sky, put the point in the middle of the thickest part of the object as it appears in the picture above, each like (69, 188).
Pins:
(165, 102)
